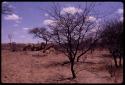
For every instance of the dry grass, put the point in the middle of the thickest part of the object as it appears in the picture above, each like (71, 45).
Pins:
(38, 67)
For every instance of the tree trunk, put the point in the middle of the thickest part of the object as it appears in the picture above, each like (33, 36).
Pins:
(115, 60)
(78, 59)
(44, 50)
(91, 51)
(72, 70)
(10, 46)
(120, 63)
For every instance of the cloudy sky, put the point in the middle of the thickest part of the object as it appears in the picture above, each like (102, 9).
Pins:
(28, 15)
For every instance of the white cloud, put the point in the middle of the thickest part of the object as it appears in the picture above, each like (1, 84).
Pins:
(46, 15)
(13, 17)
(71, 10)
(5, 2)
(22, 36)
(8, 4)
(120, 11)
(90, 18)
(121, 19)
(49, 22)
(25, 28)
(18, 21)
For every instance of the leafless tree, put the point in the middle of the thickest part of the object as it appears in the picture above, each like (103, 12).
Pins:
(11, 44)
(13, 47)
(43, 34)
(112, 38)
(10, 39)
(70, 30)
(112, 70)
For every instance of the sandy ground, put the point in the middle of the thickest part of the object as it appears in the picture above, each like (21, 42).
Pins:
(36, 67)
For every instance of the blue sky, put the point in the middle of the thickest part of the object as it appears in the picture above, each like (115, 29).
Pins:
(27, 15)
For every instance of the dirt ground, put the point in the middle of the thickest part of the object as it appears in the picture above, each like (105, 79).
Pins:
(53, 67)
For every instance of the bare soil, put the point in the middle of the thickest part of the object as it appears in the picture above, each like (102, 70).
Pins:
(53, 67)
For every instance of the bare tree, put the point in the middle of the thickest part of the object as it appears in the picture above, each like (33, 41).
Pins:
(10, 39)
(112, 70)
(12, 44)
(70, 30)
(112, 38)
(41, 33)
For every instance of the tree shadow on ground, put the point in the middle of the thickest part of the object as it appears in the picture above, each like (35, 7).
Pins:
(38, 55)
(106, 55)
(67, 63)
(58, 78)
(55, 64)
(86, 62)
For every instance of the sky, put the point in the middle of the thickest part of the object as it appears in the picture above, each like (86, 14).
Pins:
(28, 15)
